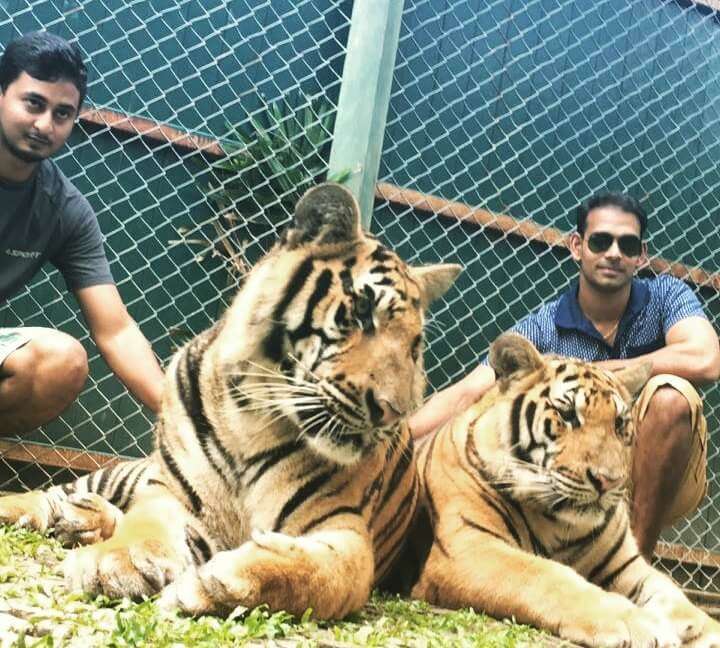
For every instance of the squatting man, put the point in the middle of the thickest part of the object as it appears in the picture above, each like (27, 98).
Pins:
(45, 218)
(616, 319)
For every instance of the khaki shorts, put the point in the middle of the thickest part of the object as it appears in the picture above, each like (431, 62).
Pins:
(11, 339)
(693, 486)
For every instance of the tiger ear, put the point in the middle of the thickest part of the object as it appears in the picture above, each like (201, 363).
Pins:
(634, 377)
(435, 280)
(325, 214)
(511, 353)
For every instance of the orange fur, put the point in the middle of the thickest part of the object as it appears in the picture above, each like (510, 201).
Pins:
(283, 469)
(529, 520)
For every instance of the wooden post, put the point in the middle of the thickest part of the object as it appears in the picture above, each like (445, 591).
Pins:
(364, 97)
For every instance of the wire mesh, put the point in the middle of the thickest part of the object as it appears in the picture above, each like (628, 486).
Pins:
(525, 109)
(259, 79)
(513, 107)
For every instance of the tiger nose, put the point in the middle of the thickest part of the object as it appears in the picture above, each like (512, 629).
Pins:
(602, 482)
(382, 411)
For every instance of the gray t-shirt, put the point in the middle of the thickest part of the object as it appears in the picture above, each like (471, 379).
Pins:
(47, 219)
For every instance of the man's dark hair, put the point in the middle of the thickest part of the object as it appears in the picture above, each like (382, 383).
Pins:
(46, 57)
(622, 201)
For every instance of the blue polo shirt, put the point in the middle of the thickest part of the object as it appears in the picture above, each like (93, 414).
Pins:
(655, 305)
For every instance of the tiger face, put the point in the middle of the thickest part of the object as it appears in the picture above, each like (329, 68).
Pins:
(368, 314)
(568, 445)
(343, 355)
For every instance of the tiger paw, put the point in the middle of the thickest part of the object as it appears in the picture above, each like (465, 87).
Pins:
(217, 587)
(283, 544)
(705, 641)
(32, 510)
(142, 568)
(709, 637)
(86, 518)
(630, 628)
(687, 620)
(271, 568)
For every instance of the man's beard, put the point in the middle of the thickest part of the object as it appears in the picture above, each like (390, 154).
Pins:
(610, 287)
(29, 157)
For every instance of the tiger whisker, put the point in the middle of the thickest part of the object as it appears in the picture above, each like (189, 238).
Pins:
(330, 423)
(527, 490)
(251, 408)
(263, 368)
(273, 393)
(275, 388)
(305, 424)
(297, 361)
(278, 417)
(266, 372)
(278, 378)
(431, 324)
(511, 482)
(294, 402)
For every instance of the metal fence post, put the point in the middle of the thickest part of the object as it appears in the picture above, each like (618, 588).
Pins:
(364, 97)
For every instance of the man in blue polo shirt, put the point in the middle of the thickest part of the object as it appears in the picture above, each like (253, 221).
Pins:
(610, 317)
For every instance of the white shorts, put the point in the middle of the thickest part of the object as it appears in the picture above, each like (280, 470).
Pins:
(11, 339)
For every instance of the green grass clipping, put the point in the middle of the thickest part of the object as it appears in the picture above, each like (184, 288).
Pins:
(37, 610)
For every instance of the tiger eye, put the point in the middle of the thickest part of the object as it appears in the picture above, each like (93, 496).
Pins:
(363, 306)
(570, 416)
(620, 424)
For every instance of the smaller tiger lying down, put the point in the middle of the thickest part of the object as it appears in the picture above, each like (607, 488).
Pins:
(525, 493)
(282, 472)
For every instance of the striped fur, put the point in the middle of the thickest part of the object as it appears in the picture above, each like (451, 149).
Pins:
(282, 472)
(526, 496)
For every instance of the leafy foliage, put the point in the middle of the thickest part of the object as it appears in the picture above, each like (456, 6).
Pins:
(269, 166)
(272, 159)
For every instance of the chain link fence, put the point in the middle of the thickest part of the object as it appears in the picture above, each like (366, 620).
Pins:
(174, 85)
(504, 115)
(524, 109)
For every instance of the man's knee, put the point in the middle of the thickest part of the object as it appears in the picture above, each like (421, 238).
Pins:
(58, 361)
(668, 407)
(66, 359)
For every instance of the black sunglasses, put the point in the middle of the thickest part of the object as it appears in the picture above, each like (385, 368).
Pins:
(629, 244)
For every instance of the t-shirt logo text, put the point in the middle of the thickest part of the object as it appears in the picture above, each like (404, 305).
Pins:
(25, 254)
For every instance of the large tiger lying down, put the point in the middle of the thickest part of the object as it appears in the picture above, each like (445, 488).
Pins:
(525, 492)
(282, 471)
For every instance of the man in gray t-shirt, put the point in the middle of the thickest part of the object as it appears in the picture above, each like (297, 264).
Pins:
(47, 219)
(43, 218)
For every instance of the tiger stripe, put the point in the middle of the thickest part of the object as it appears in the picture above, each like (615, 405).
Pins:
(301, 495)
(280, 447)
(606, 559)
(187, 489)
(483, 529)
(323, 284)
(538, 467)
(188, 383)
(338, 510)
(610, 578)
(273, 343)
(268, 459)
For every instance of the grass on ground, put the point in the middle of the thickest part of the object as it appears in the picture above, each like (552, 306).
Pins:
(37, 610)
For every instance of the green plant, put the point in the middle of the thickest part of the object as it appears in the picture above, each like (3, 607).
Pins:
(282, 152)
(272, 159)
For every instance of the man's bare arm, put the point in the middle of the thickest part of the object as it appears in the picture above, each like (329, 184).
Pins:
(692, 352)
(124, 347)
(445, 404)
